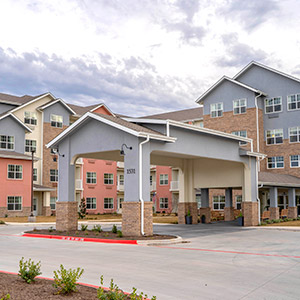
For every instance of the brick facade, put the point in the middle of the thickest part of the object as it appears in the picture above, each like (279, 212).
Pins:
(183, 208)
(25, 212)
(250, 213)
(228, 213)
(293, 212)
(66, 216)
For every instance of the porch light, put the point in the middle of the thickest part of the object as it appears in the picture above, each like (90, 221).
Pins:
(122, 152)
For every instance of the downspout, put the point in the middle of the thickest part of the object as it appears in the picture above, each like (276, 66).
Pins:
(141, 181)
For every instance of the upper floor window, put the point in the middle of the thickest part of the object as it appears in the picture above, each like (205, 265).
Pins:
(293, 102)
(14, 203)
(53, 175)
(56, 121)
(108, 178)
(216, 110)
(30, 118)
(219, 202)
(163, 203)
(15, 172)
(34, 174)
(239, 106)
(91, 203)
(30, 145)
(295, 161)
(273, 105)
(242, 133)
(91, 177)
(294, 134)
(163, 179)
(7, 142)
(121, 179)
(274, 136)
(276, 162)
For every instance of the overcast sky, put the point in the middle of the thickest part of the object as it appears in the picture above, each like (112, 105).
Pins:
(140, 56)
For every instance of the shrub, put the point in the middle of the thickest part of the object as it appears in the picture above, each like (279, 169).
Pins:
(84, 227)
(82, 209)
(114, 229)
(2, 222)
(50, 229)
(6, 297)
(275, 221)
(97, 228)
(269, 222)
(120, 234)
(6, 215)
(65, 280)
(29, 270)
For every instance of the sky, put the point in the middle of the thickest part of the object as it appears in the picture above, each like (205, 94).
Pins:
(140, 57)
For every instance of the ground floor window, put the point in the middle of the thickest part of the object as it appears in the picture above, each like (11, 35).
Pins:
(163, 203)
(91, 203)
(198, 200)
(53, 203)
(219, 202)
(108, 203)
(238, 202)
(14, 203)
(282, 202)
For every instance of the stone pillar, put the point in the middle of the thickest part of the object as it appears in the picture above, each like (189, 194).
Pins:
(292, 209)
(229, 210)
(274, 209)
(183, 209)
(250, 213)
(205, 209)
(66, 216)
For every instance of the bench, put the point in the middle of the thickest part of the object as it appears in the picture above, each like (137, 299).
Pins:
(266, 215)
(284, 213)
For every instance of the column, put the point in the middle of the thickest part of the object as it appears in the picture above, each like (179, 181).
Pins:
(274, 209)
(229, 210)
(292, 209)
(205, 209)
(46, 204)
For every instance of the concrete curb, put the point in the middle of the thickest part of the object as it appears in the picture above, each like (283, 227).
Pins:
(176, 240)
(285, 228)
(53, 223)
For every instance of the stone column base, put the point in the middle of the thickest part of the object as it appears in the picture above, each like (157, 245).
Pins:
(250, 213)
(183, 208)
(207, 213)
(46, 211)
(131, 218)
(274, 213)
(66, 216)
(228, 213)
(293, 212)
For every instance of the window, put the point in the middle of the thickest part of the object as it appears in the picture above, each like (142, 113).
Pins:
(163, 179)
(14, 203)
(53, 175)
(91, 177)
(120, 202)
(293, 102)
(294, 134)
(198, 200)
(7, 142)
(108, 203)
(242, 133)
(275, 162)
(151, 179)
(163, 203)
(30, 118)
(273, 105)
(56, 121)
(34, 174)
(108, 178)
(53, 203)
(121, 179)
(219, 202)
(216, 110)
(90, 203)
(15, 172)
(30, 145)
(295, 161)
(239, 106)
(238, 202)
(274, 136)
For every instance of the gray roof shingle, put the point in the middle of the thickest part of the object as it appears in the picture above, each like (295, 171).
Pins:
(278, 179)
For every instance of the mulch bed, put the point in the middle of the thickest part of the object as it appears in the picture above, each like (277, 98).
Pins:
(99, 235)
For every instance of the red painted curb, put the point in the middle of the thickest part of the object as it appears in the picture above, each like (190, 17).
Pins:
(81, 239)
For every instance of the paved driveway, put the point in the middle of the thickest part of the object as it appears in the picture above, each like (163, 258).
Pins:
(222, 261)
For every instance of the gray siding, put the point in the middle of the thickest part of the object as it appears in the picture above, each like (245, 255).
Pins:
(57, 109)
(6, 107)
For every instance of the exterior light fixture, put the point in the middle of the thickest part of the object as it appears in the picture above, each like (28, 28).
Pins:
(122, 152)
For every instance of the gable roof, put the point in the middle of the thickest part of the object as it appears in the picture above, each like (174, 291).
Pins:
(254, 63)
(275, 179)
(52, 102)
(81, 110)
(232, 81)
(15, 100)
(9, 114)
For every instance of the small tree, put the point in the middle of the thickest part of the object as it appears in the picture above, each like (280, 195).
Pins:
(82, 209)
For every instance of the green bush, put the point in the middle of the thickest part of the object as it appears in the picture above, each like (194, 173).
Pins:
(97, 228)
(120, 234)
(6, 297)
(65, 280)
(84, 227)
(114, 229)
(82, 209)
(50, 229)
(2, 222)
(275, 221)
(268, 221)
(28, 270)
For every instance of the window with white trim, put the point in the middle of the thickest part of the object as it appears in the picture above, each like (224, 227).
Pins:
(120, 202)
(295, 161)
(293, 102)
(35, 174)
(238, 201)
(108, 203)
(163, 179)
(121, 179)
(53, 175)
(198, 200)
(219, 202)
(91, 177)
(7, 142)
(274, 136)
(294, 134)
(30, 145)
(242, 133)
(108, 178)
(53, 203)
(14, 171)
(239, 106)
(91, 203)
(14, 203)
(275, 162)
(163, 203)
(151, 179)
(273, 105)
(216, 110)
(30, 118)
(56, 121)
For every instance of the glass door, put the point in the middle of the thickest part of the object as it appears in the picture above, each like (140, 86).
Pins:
(34, 206)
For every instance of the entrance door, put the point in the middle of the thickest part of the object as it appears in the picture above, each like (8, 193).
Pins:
(298, 204)
(282, 202)
(35, 206)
